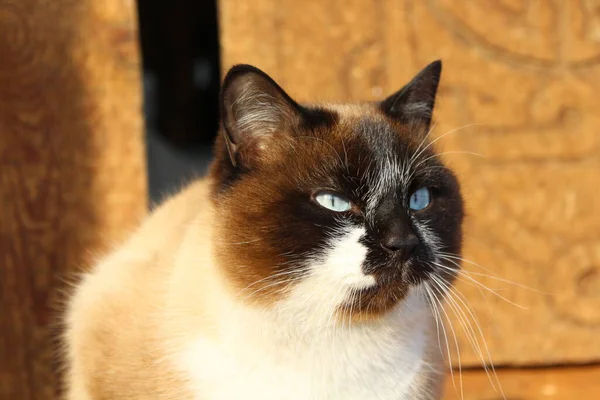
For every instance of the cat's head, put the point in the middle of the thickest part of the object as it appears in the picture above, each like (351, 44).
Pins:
(346, 204)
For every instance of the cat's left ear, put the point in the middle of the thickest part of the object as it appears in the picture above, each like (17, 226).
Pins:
(254, 110)
(415, 101)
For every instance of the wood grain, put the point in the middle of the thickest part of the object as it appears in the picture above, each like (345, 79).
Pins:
(520, 87)
(571, 383)
(72, 169)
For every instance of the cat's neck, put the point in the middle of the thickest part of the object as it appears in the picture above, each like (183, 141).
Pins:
(397, 348)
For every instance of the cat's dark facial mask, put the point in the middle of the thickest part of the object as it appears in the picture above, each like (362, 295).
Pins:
(345, 201)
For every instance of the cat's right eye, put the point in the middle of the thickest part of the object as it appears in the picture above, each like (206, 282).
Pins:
(420, 199)
(333, 201)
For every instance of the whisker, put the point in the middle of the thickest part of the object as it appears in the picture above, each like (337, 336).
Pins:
(481, 293)
(459, 296)
(465, 322)
(495, 277)
(438, 320)
(273, 284)
(438, 155)
(438, 317)
(346, 157)
(301, 273)
(418, 154)
(407, 161)
(352, 300)
(470, 279)
(425, 138)
(440, 291)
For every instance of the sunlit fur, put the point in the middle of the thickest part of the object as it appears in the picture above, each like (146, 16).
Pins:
(242, 286)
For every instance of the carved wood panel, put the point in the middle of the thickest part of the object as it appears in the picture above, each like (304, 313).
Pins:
(520, 87)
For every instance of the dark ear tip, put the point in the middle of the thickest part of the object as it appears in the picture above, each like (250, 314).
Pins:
(240, 69)
(434, 68)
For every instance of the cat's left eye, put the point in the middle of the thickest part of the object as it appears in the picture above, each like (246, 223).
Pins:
(333, 202)
(420, 199)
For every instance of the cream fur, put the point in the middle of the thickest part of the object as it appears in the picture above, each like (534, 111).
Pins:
(156, 320)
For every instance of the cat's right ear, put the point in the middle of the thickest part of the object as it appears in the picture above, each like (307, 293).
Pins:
(254, 110)
(415, 101)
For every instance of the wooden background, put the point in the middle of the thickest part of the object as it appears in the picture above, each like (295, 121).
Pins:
(72, 165)
(528, 74)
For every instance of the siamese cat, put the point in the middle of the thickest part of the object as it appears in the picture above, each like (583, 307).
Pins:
(297, 269)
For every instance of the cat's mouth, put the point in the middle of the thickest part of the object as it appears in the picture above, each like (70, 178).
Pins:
(392, 281)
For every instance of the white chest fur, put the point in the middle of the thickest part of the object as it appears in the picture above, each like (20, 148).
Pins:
(259, 359)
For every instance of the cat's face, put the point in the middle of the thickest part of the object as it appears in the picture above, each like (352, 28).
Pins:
(346, 206)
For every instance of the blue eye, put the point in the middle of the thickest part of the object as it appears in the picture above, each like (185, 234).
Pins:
(333, 202)
(420, 199)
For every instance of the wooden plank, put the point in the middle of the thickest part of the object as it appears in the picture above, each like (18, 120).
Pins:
(528, 74)
(530, 384)
(72, 164)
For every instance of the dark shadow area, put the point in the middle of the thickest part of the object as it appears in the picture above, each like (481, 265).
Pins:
(180, 51)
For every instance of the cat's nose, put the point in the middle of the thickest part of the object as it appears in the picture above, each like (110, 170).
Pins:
(402, 245)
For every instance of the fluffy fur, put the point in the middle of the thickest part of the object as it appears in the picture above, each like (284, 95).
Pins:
(242, 286)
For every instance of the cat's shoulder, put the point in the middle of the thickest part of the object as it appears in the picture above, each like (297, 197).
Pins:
(111, 313)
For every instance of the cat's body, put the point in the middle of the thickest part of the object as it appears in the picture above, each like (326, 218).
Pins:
(137, 354)
(240, 288)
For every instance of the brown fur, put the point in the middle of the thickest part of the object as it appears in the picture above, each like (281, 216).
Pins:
(232, 235)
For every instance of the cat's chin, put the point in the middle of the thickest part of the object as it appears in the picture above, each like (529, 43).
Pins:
(374, 301)
(391, 287)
